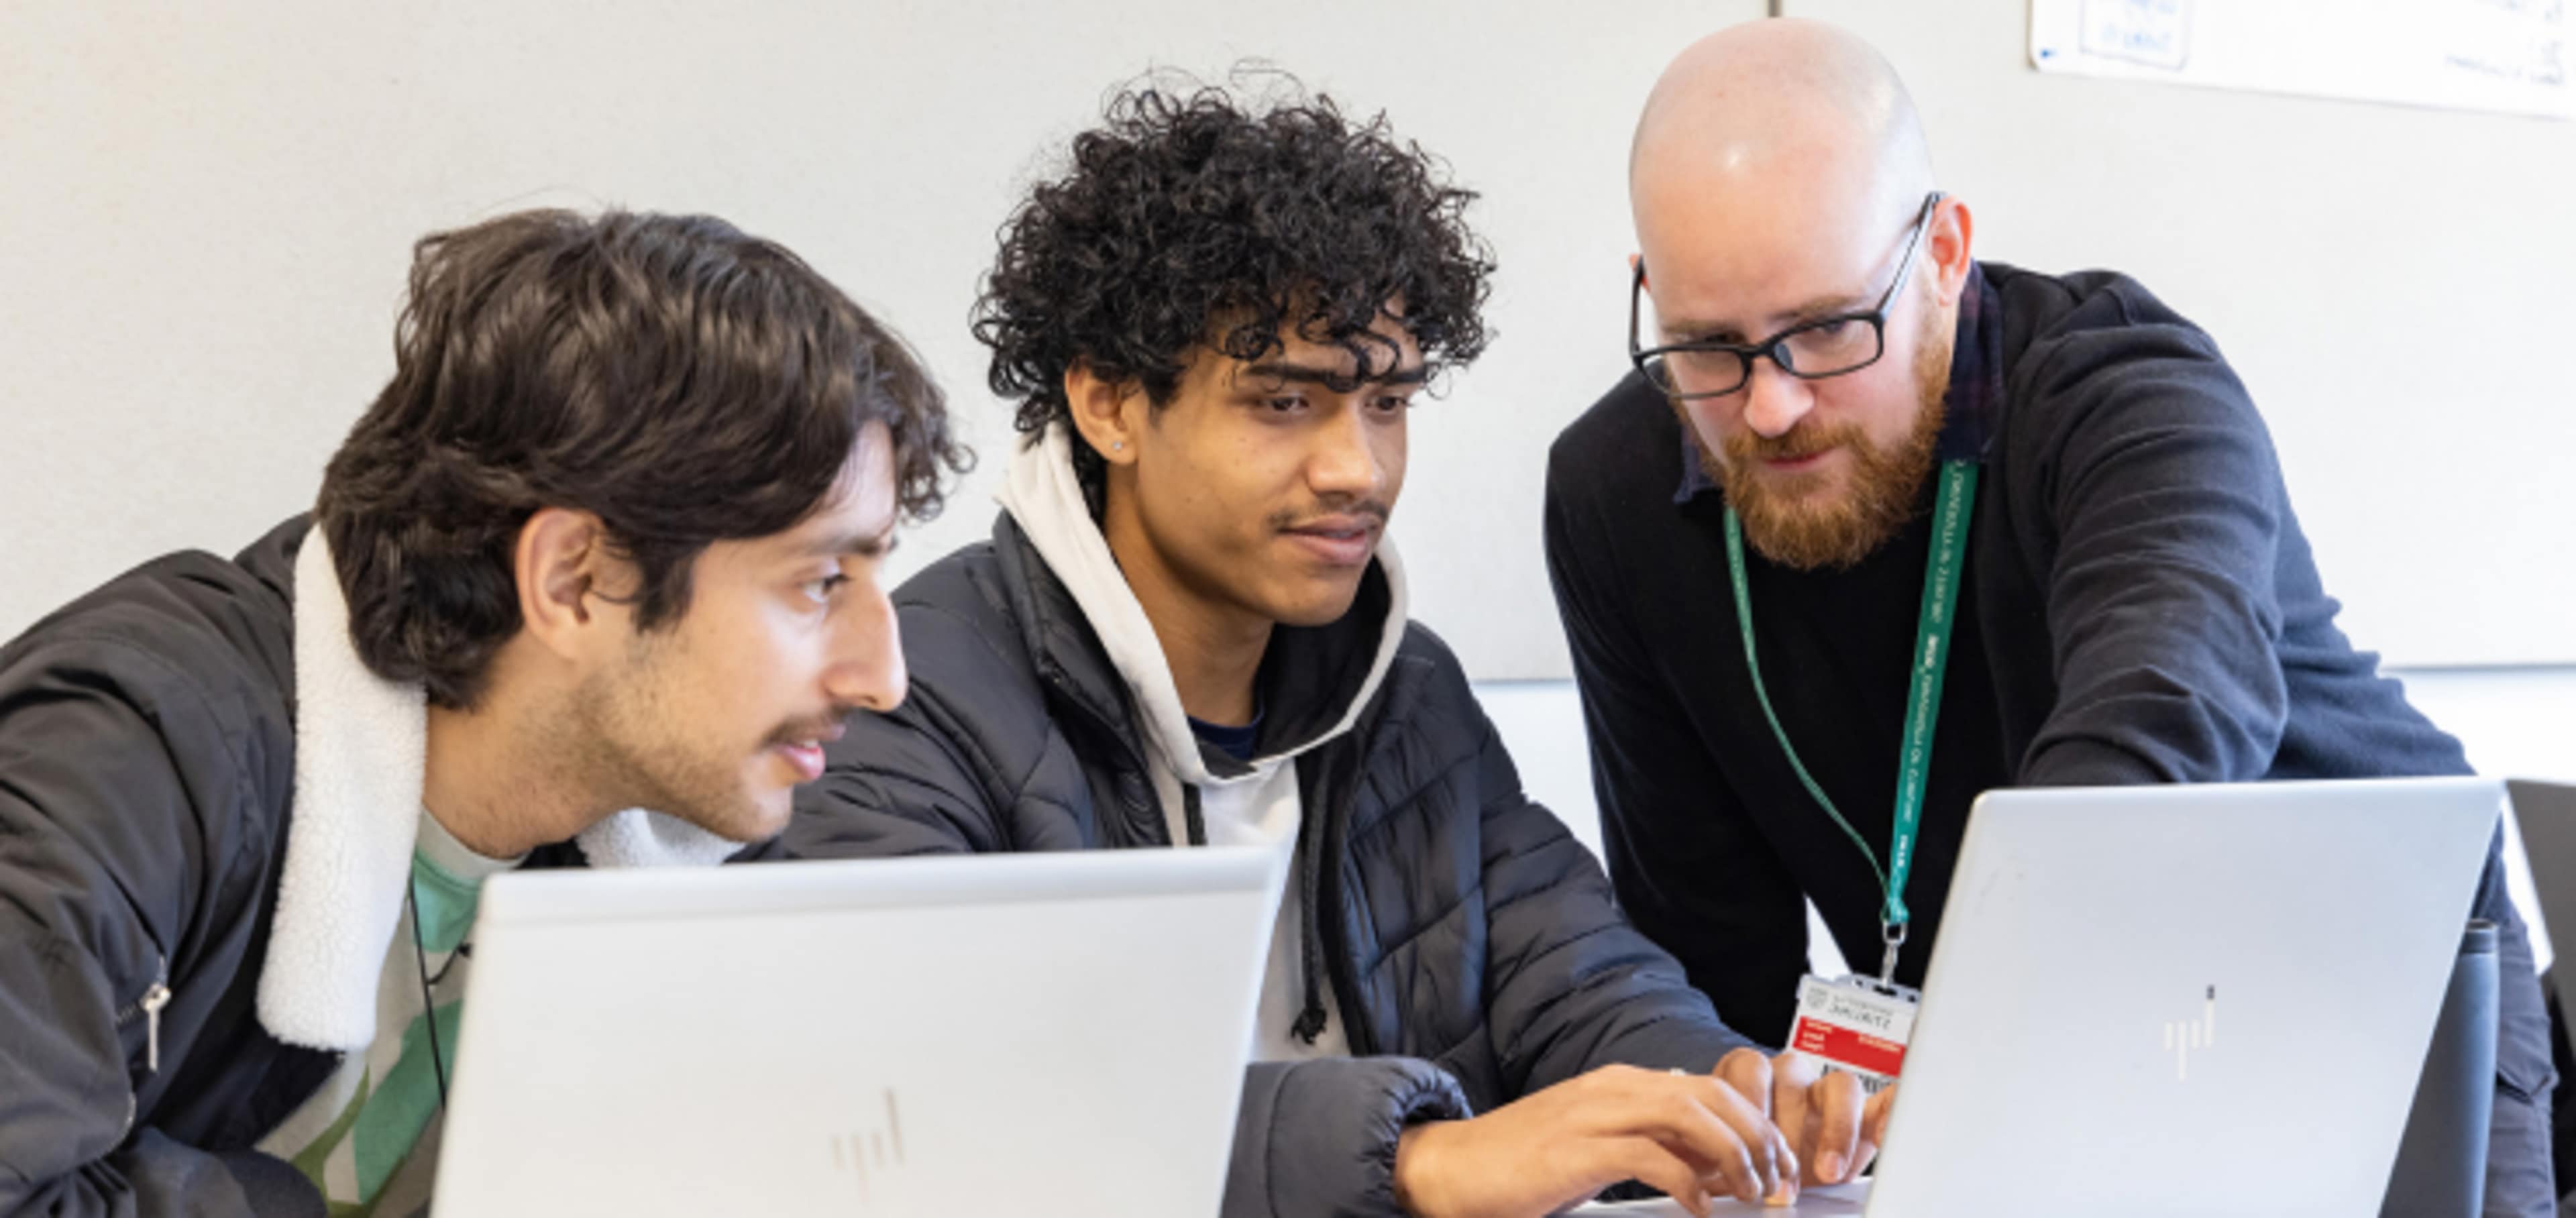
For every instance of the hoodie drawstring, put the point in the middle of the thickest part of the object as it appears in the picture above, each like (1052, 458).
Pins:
(1310, 883)
(1193, 822)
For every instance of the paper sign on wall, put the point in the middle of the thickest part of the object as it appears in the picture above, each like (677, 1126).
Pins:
(2506, 55)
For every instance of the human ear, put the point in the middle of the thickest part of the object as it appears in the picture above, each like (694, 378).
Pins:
(1105, 412)
(1946, 246)
(561, 563)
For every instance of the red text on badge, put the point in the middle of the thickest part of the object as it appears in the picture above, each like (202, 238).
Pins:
(1845, 1047)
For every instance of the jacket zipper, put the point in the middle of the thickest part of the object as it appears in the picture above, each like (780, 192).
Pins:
(149, 1007)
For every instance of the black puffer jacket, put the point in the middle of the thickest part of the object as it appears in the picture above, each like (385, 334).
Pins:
(1472, 944)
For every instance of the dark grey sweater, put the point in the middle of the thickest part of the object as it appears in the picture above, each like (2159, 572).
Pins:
(2139, 605)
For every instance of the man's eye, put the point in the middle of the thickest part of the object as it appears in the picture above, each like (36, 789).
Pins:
(1394, 403)
(1285, 403)
(820, 590)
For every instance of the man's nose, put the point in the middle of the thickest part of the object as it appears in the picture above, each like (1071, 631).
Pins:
(1774, 401)
(1344, 461)
(869, 669)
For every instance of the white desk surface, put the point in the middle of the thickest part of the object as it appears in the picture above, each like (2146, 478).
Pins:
(1840, 1199)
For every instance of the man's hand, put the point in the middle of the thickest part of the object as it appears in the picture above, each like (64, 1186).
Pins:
(1559, 1147)
(1834, 1129)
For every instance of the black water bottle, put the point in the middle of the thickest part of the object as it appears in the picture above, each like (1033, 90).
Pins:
(2441, 1169)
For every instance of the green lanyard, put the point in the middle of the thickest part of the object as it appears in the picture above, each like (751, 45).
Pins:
(1922, 698)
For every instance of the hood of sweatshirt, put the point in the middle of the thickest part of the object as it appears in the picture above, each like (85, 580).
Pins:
(1314, 683)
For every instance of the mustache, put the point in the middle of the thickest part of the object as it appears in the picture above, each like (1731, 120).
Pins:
(1804, 440)
(1374, 511)
(815, 729)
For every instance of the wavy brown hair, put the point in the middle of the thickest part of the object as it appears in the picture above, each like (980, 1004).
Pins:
(678, 379)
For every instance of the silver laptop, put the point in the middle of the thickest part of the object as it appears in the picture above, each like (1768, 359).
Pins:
(1066, 1031)
(2204, 1000)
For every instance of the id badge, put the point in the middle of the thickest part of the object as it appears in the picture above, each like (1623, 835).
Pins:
(1855, 1025)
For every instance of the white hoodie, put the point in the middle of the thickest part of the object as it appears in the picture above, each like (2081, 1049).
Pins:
(1258, 808)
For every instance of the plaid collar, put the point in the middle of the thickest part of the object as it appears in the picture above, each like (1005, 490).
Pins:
(1974, 399)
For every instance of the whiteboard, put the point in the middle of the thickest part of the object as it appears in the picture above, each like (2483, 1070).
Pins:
(206, 213)
(2396, 286)
(2506, 55)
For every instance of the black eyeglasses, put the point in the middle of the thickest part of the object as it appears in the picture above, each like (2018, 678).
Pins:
(1812, 350)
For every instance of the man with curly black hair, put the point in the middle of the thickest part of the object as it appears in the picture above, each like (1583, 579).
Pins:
(1189, 628)
(607, 542)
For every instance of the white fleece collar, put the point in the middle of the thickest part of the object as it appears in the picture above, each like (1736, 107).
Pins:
(1043, 495)
(360, 742)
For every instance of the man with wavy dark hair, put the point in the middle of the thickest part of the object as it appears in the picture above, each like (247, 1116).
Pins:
(1188, 628)
(608, 542)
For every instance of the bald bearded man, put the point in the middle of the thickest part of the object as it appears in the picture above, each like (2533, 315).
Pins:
(1833, 403)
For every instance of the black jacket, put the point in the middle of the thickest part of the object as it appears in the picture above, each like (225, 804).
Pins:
(147, 775)
(147, 759)
(2138, 605)
(1472, 944)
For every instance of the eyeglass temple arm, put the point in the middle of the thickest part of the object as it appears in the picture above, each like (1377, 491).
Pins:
(1913, 246)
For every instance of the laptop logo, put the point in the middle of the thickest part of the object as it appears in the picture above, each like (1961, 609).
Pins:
(864, 1153)
(2184, 1035)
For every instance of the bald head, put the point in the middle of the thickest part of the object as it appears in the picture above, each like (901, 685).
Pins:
(1781, 105)
(1782, 186)
(1777, 164)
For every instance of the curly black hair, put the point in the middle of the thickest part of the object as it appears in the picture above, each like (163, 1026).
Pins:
(1196, 218)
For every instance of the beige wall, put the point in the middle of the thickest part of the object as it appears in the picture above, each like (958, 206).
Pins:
(205, 213)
